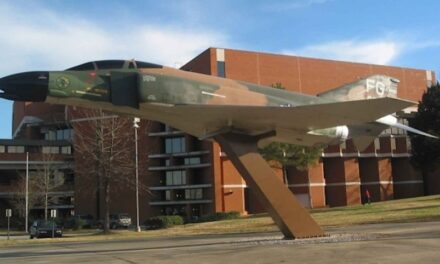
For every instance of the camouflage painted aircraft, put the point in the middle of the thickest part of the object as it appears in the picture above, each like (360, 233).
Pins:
(205, 106)
(238, 115)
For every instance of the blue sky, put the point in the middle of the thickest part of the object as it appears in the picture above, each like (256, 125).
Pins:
(56, 34)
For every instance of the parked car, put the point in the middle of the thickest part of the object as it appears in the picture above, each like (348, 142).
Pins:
(119, 220)
(43, 228)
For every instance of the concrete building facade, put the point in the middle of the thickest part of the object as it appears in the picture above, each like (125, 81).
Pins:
(186, 176)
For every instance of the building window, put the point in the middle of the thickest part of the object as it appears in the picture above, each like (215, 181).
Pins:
(67, 134)
(15, 149)
(167, 195)
(193, 194)
(51, 150)
(2, 149)
(61, 134)
(54, 150)
(50, 135)
(177, 177)
(67, 150)
(221, 69)
(175, 145)
(192, 161)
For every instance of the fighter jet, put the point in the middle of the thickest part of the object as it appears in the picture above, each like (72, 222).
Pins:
(206, 106)
(237, 114)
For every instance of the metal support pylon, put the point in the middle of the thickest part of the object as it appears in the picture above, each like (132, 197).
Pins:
(293, 220)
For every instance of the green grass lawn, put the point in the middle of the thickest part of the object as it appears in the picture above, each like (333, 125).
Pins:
(405, 210)
(425, 208)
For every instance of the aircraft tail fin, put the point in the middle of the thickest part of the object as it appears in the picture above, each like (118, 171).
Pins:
(375, 86)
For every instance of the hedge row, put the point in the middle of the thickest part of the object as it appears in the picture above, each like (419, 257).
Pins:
(219, 216)
(163, 221)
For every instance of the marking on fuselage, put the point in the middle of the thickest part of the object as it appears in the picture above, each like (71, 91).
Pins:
(100, 91)
(93, 90)
(379, 88)
(214, 94)
(62, 82)
(148, 78)
(87, 93)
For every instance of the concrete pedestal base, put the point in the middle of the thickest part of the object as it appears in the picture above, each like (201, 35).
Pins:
(293, 220)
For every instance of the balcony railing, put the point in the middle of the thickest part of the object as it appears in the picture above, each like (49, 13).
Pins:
(181, 154)
(179, 167)
(176, 202)
(51, 194)
(178, 187)
(166, 133)
(56, 206)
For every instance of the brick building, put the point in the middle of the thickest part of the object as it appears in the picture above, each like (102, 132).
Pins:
(191, 177)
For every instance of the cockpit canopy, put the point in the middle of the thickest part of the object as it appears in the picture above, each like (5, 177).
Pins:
(113, 64)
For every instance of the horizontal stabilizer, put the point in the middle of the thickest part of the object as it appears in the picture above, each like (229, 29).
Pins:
(392, 121)
(413, 130)
(364, 135)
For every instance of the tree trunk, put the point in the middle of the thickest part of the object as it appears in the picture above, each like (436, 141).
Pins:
(98, 194)
(107, 208)
(46, 188)
(45, 206)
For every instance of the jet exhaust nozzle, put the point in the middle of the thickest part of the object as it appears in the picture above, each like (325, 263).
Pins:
(339, 132)
(27, 86)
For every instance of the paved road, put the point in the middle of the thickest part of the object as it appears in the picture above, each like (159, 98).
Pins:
(386, 243)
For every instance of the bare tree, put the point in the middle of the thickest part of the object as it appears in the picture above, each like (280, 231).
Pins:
(44, 179)
(18, 199)
(49, 178)
(104, 144)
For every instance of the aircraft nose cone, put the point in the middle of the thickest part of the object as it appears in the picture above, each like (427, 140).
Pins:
(27, 86)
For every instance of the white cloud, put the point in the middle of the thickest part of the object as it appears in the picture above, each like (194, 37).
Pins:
(43, 39)
(375, 52)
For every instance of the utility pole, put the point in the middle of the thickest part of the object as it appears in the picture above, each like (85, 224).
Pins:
(27, 194)
(136, 121)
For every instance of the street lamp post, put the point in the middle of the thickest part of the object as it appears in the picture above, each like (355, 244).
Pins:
(136, 126)
(27, 194)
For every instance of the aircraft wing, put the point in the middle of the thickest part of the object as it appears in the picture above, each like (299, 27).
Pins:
(202, 120)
